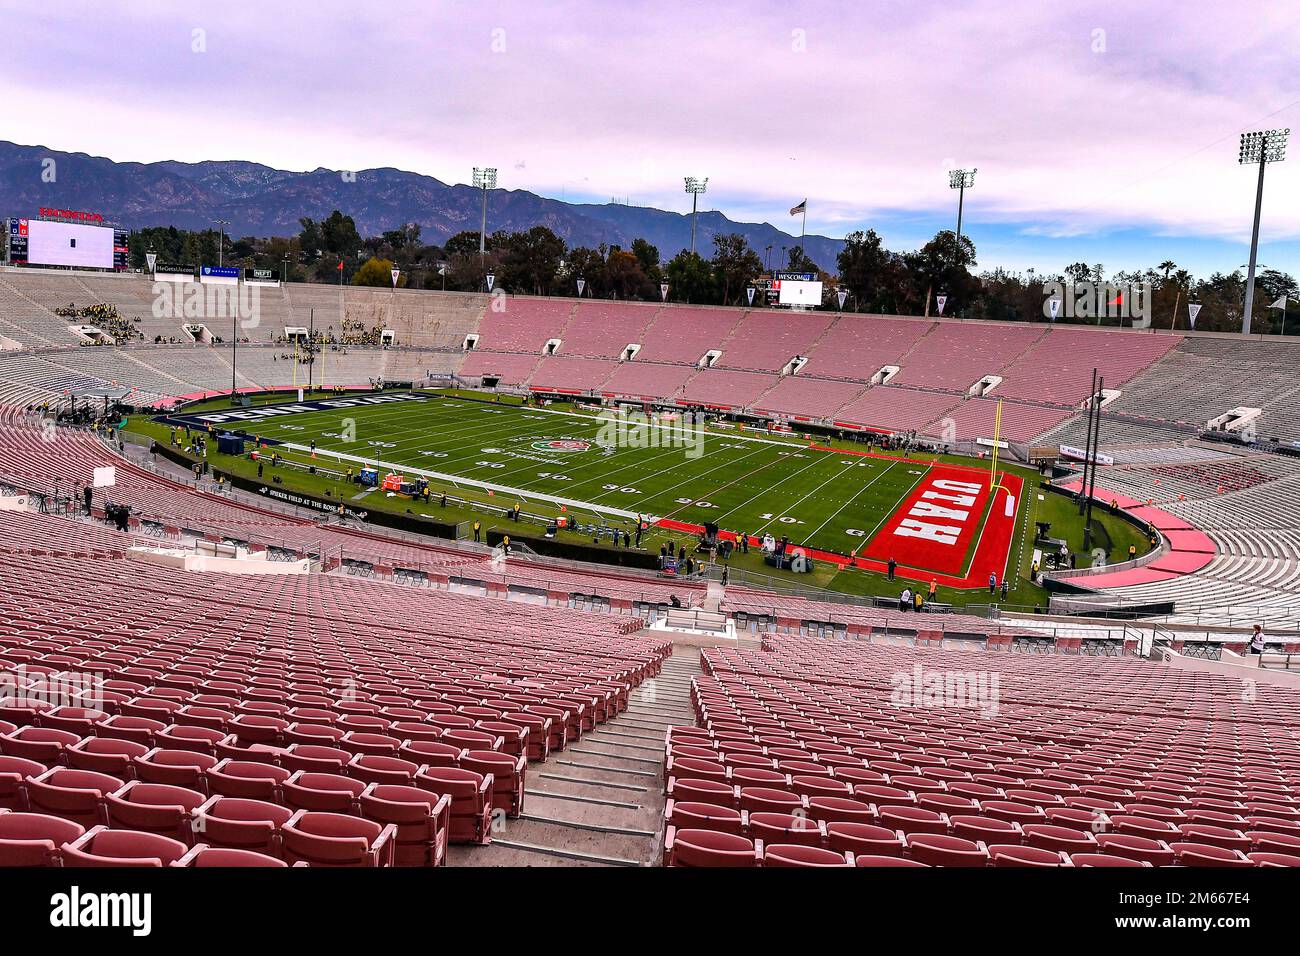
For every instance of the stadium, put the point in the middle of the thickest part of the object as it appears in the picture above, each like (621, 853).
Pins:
(303, 570)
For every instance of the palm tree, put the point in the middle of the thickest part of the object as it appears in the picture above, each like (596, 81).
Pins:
(1167, 267)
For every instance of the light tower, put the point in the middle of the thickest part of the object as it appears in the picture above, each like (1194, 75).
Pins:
(695, 186)
(961, 180)
(1263, 148)
(484, 179)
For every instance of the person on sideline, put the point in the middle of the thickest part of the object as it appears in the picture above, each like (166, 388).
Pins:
(1257, 643)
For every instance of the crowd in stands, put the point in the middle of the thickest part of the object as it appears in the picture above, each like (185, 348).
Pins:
(107, 318)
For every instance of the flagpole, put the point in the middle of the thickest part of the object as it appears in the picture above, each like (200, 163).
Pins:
(803, 230)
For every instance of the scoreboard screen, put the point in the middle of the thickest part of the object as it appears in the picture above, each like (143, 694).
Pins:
(40, 242)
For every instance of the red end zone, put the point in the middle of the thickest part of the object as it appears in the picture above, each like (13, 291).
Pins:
(925, 557)
(933, 530)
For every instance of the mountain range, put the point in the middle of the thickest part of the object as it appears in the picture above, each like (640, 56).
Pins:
(260, 201)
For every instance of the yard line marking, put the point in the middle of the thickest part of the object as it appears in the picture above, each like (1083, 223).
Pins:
(812, 533)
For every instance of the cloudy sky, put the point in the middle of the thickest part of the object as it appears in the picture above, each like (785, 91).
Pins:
(1103, 130)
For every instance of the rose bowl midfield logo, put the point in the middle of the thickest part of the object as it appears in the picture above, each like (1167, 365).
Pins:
(561, 445)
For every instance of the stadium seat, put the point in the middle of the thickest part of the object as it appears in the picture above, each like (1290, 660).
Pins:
(34, 839)
(864, 839)
(314, 758)
(14, 772)
(685, 815)
(471, 800)
(1062, 839)
(709, 848)
(335, 839)
(1103, 860)
(507, 773)
(42, 744)
(1188, 853)
(374, 769)
(153, 808)
(430, 753)
(935, 849)
(786, 829)
(242, 778)
(240, 823)
(180, 768)
(102, 847)
(860, 860)
(1005, 855)
(76, 795)
(202, 856)
(787, 855)
(423, 821)
(695, 790)
(1133, 847)
(1274, 859)
(105, 755)
(322, 792)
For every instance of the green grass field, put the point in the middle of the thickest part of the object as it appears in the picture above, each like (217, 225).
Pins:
(494, 453)
(743, 483)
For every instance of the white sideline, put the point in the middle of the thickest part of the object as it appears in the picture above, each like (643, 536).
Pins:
(456, 481)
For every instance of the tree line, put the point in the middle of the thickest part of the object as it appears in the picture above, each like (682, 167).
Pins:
(874, 279)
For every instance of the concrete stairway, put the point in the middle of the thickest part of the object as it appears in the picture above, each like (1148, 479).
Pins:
(599, 802)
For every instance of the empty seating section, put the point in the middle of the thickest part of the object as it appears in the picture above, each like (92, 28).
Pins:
(571, 374)
(1058, 368)
(683, 335)
(956, 355)
(317, 720)
(648, 379)
(766, 340)
(511, 368)
(898, 409)
(525, 324)
(606, 329)
(857, 346)
(814, 752)
(714, 386)
(975, 418)
(799, 395)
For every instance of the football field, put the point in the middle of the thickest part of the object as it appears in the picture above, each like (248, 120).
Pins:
(933, 517)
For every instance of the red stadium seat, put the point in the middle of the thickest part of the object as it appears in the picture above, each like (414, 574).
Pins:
(709, 848)
(471, 800)
(934, 849)
(154, 808)
(240, 823)
(803, 856)
(102, 847)
(105, 755)
(179, 768)
(507, 774)
(1102, 859)
(864, 839)
(34, 839)
(786, 829)
(335, 839)
(1133, 847)
(76, 795)
(1004, 855)
(322, 792)
(202, 856)
(886, 861)
(1203, 854)
(423, 821)
(14, 772)
(241, 778)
